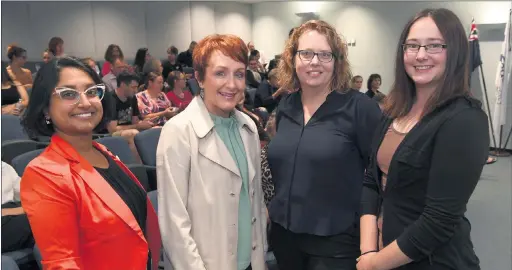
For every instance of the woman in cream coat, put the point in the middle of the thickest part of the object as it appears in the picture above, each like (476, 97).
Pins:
(211, 210)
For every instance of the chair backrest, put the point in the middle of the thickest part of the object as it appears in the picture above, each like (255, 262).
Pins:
(119, 146)
(146, 143)
(8, 263)
(194, 86)
(20, 162)
(153, 197)
(12, 128)
(38, 257)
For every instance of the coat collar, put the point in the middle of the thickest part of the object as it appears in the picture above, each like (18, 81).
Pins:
(203, 123)
(104, 191)
(212, 147)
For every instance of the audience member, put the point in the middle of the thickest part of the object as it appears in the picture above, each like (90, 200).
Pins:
(356, 82)
(210, 201)
(264, 95)
(56, 46)
(373, 84)
(274, 62)
(171, 64)
(18, 57)
(141, 57)
(178, 93)
(113, 52)
(266, 175)
(16, 232)
(435, 136)
(153, 104)
(318, 154)
(110, 80)
(253, 74)
(14, 96)
(261, 57)
(86, 209)
(380, 99)
(92, 64)
(259, 121)
(125, 121)
(185, 58)
(47, 57)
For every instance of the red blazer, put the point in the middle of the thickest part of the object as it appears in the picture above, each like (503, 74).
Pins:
(78, 220)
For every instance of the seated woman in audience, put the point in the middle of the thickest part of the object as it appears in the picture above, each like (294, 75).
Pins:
(210, 203)
(113, 51)
(18, 57)
(56, 46)
(178, 93)
(14, 95)
(92, 64)
(152, 65)
(47, 56)
(356, 82)
(141, 57)
(16, 232)
(153, 104)
(266, 175)
(435, 137)
(373, 84)
(255, 118)
(85, 207)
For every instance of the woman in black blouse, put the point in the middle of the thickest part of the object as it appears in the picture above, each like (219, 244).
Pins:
(318, 155)
(427, 156)
(373, 85)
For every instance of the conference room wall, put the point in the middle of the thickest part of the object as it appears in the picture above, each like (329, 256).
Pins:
(89, 27)
(376, 27)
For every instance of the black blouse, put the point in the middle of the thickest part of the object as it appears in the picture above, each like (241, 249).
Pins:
(10, 96)
(132, 194)
(318, 168)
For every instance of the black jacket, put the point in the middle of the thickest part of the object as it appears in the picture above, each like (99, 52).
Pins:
(318, 169)
(263, 97)
(432, 174)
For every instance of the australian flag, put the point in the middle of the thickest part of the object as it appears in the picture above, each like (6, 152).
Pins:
(474, 49)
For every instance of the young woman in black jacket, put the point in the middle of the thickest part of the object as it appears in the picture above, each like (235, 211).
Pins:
(427, 155)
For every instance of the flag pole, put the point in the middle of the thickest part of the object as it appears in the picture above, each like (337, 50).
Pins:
(486, 98)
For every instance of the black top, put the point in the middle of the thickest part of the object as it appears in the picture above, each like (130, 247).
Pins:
(10, 96)
(124, 110)
(168, 67)
(263, 97)
(185, 58)
(431, 176)
(132, 194)
(371, 94)
(318, 169)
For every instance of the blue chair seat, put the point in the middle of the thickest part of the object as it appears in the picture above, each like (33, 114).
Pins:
(22, 256)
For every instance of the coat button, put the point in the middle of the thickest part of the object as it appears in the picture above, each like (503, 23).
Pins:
(232, 194)
(254, 247)
(253, 220)
(252, 193)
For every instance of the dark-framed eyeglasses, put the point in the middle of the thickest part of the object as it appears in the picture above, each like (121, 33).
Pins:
(72, 96)
(429, 48)
(308, 55)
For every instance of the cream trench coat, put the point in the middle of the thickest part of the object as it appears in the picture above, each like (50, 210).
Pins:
(198, 192)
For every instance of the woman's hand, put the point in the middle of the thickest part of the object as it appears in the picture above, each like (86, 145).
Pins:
(10, 109)
(366, 262)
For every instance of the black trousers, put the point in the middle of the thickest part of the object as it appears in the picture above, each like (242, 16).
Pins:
(16, 233)
(310, 252)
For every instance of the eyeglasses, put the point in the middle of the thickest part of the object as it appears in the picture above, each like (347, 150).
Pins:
(71, 96)
(429, 48)
(307, 55)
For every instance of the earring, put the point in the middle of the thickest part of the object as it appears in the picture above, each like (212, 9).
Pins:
(201, 93)
(47, 120)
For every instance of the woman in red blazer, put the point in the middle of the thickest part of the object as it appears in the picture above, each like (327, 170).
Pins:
(86, 209)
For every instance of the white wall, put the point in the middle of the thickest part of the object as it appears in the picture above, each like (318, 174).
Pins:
(89, 27)
(376, 27)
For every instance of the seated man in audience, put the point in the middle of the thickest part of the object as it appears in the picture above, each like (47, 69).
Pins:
(267, 88)
(185, 58)
(125, 121)
(16, 232)
(253, 75)
(110, 80)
